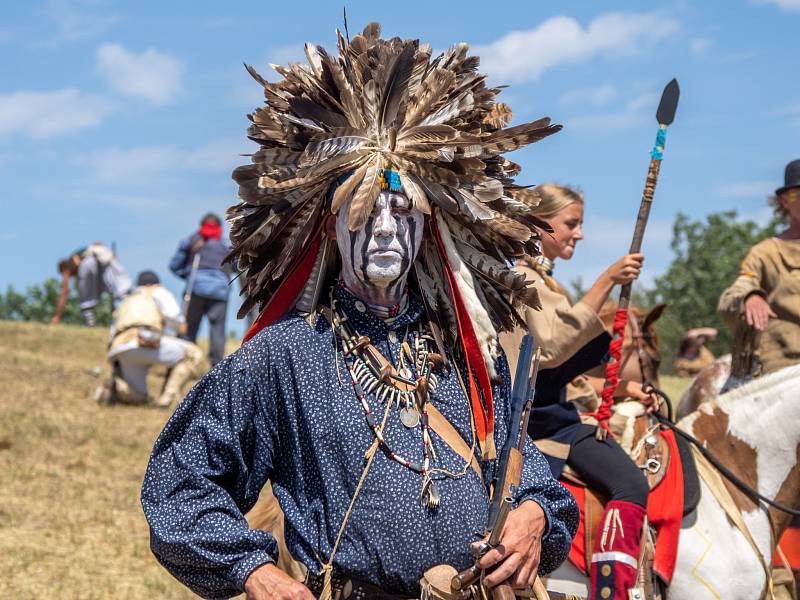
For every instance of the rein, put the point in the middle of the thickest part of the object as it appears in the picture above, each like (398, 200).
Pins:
(725, 471)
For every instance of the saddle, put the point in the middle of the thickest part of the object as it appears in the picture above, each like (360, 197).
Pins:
(667, 463)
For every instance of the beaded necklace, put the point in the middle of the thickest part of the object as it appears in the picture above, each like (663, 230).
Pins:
(370, 372)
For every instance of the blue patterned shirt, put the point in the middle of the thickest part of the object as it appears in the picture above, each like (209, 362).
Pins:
(278, 409)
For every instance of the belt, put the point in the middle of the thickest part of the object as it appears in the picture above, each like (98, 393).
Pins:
(346, 588)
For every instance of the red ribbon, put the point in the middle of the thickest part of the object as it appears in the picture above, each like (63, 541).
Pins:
(603, 412)
(289, 291)
(484, 417)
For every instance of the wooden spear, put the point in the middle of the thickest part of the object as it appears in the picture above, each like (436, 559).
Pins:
(665, 115)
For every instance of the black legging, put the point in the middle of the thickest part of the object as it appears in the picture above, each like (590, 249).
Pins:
(604, 466)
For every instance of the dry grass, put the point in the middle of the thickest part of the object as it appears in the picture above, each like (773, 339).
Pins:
(71, 525)
(674, 387)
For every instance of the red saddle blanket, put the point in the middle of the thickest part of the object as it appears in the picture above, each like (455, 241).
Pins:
(664, 511)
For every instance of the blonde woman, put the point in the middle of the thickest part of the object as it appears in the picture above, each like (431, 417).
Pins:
(573, 341)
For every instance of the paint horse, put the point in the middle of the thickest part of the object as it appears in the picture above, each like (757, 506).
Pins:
(753, 430)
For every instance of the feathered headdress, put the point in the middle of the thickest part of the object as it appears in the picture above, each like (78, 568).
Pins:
(327, 132)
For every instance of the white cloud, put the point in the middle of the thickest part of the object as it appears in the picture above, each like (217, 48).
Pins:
(134, 165)
(746, 189)
(51, 114)
(637, 110)
(788, 5)
(596, 96)
(283, 55)
(522, 56)
(151, 75)
(741, 56)
(219, 155)
(73, 20)
(700, 45)
(145, 164)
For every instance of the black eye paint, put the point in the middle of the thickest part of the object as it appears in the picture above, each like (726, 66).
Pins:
(364, 246)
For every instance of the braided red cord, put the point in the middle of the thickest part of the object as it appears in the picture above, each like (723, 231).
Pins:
(603, 411)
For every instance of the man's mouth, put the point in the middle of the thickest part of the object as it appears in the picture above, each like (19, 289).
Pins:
(384, 253)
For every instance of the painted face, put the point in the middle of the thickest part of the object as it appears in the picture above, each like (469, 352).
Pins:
(378, 257)
(567, 227)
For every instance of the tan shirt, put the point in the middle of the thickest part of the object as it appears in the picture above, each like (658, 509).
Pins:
(771, 269)
(560, 327)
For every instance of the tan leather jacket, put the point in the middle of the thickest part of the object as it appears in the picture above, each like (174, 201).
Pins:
(772, 270)
(560, 327)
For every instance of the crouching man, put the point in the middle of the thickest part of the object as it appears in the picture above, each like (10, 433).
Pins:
(138, 341)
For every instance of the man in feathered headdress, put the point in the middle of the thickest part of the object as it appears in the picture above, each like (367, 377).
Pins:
(371, 390)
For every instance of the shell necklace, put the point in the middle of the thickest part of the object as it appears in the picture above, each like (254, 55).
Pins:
(372, 374)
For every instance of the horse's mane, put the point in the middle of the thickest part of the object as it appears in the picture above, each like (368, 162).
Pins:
(761, 384)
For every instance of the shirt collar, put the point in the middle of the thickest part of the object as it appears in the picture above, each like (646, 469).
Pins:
(363, 318)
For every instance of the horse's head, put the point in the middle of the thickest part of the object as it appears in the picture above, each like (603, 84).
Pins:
(641, 352)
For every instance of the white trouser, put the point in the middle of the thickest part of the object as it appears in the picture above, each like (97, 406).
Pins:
(135, 362)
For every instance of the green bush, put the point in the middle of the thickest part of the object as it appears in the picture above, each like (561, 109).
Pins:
(708, 255)
(38, 303)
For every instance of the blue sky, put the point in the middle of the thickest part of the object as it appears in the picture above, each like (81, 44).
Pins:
(122, 121)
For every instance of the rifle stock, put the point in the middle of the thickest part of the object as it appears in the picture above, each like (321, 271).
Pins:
(509, 472)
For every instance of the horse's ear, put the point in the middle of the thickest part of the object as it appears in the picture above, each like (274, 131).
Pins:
(653, 316)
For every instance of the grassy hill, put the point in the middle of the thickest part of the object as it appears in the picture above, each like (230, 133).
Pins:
(71, 525)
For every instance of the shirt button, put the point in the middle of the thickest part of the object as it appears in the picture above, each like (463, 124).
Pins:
(393, 337)
(605, 592)
(605, 571)
(360, 306)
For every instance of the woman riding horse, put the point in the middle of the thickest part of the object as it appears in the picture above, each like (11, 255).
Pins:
(573, 341)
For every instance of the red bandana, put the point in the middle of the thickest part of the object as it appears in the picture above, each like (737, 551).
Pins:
(210, 231)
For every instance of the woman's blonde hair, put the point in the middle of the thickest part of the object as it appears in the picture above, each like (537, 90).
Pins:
(554, 198)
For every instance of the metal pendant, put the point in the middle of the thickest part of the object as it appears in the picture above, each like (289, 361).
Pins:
(409, 417)
(404, 372)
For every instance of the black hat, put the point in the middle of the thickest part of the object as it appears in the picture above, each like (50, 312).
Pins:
(147, 278)
(791, 178)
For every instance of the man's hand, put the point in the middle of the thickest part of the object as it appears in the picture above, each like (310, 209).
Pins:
(55, 320)
(268, 582)
(757, 312)
(182, 328)
(520, 548)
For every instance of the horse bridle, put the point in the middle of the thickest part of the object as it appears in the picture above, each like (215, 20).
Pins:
(638, 338)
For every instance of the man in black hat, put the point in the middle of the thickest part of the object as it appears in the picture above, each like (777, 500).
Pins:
(763, 304)
(139, 341)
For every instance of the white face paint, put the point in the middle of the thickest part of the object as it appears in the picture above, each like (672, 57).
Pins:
(377, 258)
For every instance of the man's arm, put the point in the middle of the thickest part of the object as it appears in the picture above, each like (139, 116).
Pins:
(62, 298)
(180, 263)
(207, 468)
(746, 296)
(168, 307)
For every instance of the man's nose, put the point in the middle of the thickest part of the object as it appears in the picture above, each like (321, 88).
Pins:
(384, 223)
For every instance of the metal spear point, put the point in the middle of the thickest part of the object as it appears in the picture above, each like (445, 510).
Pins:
(665, 114)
